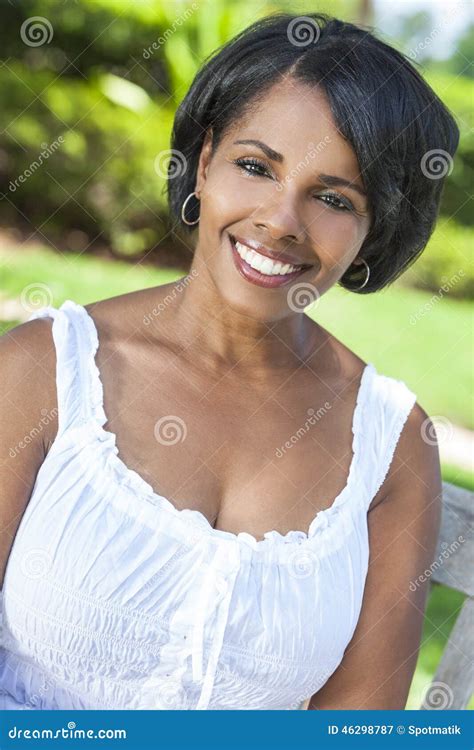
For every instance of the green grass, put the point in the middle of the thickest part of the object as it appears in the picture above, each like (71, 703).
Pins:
(459, 477)
(432, 357)
(74, 276)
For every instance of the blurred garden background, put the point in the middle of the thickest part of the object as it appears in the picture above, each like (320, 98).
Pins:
(89, 89)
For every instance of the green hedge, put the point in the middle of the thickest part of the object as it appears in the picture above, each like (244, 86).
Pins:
(457, 93)
(445, 266)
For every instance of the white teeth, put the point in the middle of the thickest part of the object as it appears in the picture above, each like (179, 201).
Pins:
(263, 264)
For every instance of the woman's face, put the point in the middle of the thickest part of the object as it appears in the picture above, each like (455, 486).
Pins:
(271, 186)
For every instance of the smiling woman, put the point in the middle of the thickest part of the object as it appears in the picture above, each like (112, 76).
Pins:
(185, 560)
(361, 102)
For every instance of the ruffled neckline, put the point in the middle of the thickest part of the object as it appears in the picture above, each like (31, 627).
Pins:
(141, 487)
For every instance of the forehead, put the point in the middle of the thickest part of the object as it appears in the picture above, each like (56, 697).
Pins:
(295, 119)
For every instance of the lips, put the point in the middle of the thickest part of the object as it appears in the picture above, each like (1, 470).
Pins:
(255, 277)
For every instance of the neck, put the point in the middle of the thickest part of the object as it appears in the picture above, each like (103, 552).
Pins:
(219, 337)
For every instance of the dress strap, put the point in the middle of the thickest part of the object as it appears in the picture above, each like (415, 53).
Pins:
(79, 394)
(388, 406)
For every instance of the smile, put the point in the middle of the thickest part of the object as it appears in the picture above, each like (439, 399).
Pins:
(262, 270)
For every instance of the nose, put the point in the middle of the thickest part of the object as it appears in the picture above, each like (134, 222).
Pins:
(280, 218)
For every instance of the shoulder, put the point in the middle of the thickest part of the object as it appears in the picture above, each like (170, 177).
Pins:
(28, 340)
(28, 375)
(416, 453)
(28, 355)
(125, 314)
(418, 445)
(414, 482)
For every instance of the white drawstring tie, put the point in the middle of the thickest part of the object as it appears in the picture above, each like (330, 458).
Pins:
(226, 562)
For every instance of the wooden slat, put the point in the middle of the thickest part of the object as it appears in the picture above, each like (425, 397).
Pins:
(453, 565)
(453, 684)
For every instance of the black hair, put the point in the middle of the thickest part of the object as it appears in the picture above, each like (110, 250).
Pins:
(400, 131)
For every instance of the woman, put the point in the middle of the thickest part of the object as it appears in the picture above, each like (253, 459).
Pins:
(244, 532)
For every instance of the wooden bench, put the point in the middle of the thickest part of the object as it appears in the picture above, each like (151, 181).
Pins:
(453, 683)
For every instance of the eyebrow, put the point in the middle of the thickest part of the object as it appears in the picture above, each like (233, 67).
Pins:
(330, 180)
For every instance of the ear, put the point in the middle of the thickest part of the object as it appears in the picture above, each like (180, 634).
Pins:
(204, 160)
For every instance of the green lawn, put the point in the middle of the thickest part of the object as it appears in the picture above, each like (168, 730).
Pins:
(432, 356)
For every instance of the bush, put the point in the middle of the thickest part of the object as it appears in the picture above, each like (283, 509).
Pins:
(445, 266)
(457, 92)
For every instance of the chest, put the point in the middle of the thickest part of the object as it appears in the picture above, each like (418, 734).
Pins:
(248, 458)
(276, 629)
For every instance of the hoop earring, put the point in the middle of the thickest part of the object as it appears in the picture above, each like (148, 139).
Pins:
(355, 289)
(183, 208)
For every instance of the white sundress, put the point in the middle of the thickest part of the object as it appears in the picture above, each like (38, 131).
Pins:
(115, 599)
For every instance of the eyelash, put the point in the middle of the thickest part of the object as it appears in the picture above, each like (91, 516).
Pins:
(244, 163)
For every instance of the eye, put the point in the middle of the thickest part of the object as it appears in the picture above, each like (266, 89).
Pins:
(252, 167)
(336, 202)
(256, 168)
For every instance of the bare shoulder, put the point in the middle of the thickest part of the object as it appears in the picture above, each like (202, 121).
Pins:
(122, 316)
(28, 374)
(418, 445)
(413, 486)
(28, 419)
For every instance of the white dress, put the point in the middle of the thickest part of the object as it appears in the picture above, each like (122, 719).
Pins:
(115, 599)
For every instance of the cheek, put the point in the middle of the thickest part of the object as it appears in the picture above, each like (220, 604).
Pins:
(230, 196)
(336, 237)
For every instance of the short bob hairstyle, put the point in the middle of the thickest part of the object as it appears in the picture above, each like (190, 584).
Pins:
(402, 134)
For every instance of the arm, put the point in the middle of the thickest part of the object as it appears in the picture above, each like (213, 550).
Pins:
(379, 662)
(28, 421)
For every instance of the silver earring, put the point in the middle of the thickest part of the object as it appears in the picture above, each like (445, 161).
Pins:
(183, 208)
(366, 279)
